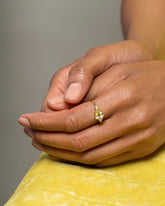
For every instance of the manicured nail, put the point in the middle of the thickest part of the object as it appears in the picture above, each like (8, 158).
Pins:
(74, 91)
(25, 122)
(37, 145)
(28, 132)
(56, 100)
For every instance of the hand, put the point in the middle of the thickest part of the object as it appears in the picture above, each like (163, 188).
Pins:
(134, 124)
(82, 72)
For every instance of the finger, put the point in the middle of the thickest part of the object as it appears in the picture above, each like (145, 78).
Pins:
(140, 150)
(82, 157)
(97, 61)
(85, 158)
(81, 116)
(81, 76)
(56, 89)
(123, 157)
(110, 78)
(58, 103)
(104, 152)
(57, 153)
(65, 120)
(128, 142)
(85, 139)
(106, 80)
(55, 94)
(92, 136)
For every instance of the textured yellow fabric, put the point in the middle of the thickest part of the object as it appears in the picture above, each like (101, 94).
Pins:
(50, 183)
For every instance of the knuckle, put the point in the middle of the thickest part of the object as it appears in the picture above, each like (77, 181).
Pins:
(89, 158)
(78, 144)
(57, 74)
(142, 117)
(37, 122)
(40, 124)
(40, 137)
(150, 135)
(71, 122)
(130, 93)
(120, 71)
(146, 137)
(77, 69)
(93, 50)
(54, 76)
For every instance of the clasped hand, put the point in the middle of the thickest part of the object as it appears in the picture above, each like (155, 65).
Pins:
(128, 88)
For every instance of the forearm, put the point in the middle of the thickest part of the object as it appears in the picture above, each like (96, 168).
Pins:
(144, 21)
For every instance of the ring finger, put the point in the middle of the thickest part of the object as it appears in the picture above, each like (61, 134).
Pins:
(120, 124)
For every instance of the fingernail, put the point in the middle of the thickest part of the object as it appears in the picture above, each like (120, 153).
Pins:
(28, 132)
(37, 145)
(74, 91)
(56, 100)
(25, 122)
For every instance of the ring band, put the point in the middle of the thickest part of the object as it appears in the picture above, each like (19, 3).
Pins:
(99, 116)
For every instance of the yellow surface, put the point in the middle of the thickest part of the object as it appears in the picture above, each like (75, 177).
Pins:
(50, 183)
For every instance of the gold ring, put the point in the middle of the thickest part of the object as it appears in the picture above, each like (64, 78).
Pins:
(99, 116)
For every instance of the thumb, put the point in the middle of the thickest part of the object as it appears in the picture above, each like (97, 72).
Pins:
(96, 61)
(82, 74)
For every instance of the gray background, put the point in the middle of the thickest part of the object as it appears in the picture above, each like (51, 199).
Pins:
(37, 38)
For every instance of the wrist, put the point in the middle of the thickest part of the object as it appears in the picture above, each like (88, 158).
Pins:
(153, 41)
(143, 21)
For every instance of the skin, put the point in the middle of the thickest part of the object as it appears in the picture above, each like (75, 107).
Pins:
(134, 124)
(130, 94)
(143, 21)
(87, 68)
